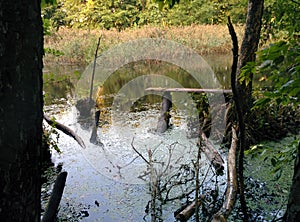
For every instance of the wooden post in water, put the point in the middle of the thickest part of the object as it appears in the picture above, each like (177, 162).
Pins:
(94, 138)
(164, 119)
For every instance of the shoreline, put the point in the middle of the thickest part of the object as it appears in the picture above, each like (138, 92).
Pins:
(77, 46)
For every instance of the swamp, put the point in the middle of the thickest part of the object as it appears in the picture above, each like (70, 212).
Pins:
(172, 111)
(111, 182)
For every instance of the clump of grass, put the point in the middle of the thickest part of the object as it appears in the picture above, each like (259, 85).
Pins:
(78, 46)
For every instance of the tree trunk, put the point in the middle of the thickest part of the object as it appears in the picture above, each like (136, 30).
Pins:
(293, 208)
(242, 93)
(248, 49)
(21, 50)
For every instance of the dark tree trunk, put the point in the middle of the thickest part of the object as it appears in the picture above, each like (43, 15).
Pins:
(21, 50)
(243, 90)
(293, 208)
(248, 49)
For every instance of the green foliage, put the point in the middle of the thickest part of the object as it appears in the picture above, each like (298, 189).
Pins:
(53, 52)
(277, 157)
(162, 3)
(237, 11)
(280, 64)
(247, 72)
(107, 14)
(45, 3)
(281, 19)
(50, 138)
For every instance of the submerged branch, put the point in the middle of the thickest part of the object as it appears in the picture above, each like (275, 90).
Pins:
(187, 212)
(135, 150)
(212, 154)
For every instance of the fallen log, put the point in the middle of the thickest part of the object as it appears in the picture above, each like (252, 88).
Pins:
(50, 213)
(212, 154)
(159, 89)
(66, 130)
(187, 212)
(232, 187)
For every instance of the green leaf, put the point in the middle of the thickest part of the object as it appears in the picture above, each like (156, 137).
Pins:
(273, 162)
(278, 174)
(53, 52)
(246, 73)
(45, 3)
(261, 102)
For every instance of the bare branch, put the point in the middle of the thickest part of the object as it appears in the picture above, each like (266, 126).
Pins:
(139, 152)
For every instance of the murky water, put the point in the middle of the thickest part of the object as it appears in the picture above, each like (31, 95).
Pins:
(112, 183)
(60, 80)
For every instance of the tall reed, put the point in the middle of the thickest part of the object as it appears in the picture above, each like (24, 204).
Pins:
(78, 46)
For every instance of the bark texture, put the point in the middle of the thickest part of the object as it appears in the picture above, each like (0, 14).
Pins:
(21, 50)
(293, 208)
(248, 49)
(187, 212)
(242, 90)
(243, 93)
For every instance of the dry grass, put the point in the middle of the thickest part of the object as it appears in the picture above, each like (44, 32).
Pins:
(78, 46)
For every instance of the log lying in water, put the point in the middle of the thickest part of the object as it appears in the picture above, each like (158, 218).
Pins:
(66, 130)
(187, 212)
(50, 213)
(189, 90)
(231, 191)
(212, 154)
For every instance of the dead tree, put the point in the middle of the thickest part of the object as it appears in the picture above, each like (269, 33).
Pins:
(232, 185)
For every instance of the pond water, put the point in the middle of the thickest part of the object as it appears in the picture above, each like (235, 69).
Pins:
(112, 183)
(60, 80)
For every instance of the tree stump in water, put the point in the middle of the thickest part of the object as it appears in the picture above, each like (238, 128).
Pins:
(94, 137)
(164, 119)
(84, 107)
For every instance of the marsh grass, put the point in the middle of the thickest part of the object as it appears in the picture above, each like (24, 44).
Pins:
(78, 46)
